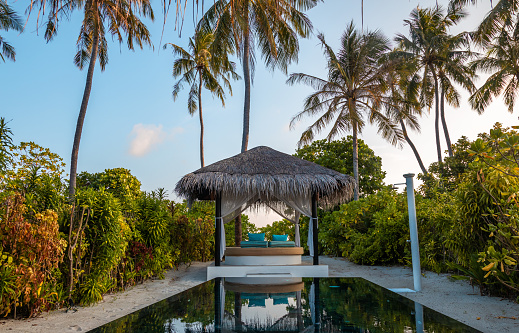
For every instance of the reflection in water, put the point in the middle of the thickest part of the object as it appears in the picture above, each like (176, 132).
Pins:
(304, 305)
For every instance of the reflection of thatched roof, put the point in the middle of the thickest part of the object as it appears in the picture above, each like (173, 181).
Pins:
(269, 173)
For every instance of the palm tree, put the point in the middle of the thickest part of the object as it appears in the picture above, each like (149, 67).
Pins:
(272, 25)
(119, 18)
(8, 20)
(6, 144)
(437, 55)
(403, 90)
(454, 68)
(355, 89)
(199, 68)
(503, 13)
(501, 60)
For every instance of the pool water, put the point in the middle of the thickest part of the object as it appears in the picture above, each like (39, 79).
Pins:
(306, 305)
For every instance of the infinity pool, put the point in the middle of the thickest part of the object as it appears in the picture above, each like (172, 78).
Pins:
(303, 305)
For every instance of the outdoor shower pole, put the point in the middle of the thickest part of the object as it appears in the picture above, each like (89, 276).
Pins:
(218, 231)
(413, 230)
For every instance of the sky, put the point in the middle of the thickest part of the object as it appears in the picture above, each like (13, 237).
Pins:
(132, 121)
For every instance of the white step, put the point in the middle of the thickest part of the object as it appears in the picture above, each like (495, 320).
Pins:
(302, 270)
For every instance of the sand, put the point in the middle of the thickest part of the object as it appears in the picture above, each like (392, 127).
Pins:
(456, 299)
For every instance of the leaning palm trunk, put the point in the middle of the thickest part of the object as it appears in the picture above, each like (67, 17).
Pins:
(246, 111)
(444, 123)
(246, 78)
(437, 118)
(201, 121)
(81, 117)
(413, 147)
(355, 163)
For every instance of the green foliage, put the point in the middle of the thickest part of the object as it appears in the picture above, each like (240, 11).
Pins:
(118, 235)
(194, 230)
(36, 173)
(119, 181)
(6, 144)
(495, 178)
(30, 251)
(372, 230)
(375, 230)
(152, 228)
(338, 155)
(246, 228)
(445, 177)
(283, 227)
(107, 236)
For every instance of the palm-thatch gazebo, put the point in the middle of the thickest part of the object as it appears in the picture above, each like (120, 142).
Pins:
(265, 177)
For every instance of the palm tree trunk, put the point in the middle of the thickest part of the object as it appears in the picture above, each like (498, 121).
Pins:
(201, 121)
(444, 123)
(411, 144)
(246, 110)
(355, 163)
(237, 230)
(437, 118)
(81, 117)
(246, 78)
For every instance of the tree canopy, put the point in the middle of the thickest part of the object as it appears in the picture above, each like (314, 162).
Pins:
(338, 155)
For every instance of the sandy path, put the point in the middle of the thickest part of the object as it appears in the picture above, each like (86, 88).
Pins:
(456, 299)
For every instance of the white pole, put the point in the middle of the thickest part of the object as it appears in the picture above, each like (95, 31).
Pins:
(413, 230)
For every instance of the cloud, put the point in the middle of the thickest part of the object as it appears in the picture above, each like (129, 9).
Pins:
(147, 137)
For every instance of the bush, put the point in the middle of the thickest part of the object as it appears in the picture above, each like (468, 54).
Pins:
(152, 228)
(105, 244)
(30, 251)
(194, 231)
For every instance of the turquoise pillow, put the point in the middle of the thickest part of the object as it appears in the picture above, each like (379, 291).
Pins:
(257, 237)
(279, 238)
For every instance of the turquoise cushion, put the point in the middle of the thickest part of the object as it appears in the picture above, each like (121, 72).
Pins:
(282, 244)
(254, 244)
(257, 237)
(282, 238)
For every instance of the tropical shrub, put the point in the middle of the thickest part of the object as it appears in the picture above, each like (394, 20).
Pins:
(36, 173)
(375, 230)
(372, 230)
(497, 182)
(194, 231)
(106, 240)
(152, 227)
(30, 252)
(119, 181)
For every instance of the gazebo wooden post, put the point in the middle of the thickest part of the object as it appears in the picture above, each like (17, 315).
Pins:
(218, 231)
(314, 226)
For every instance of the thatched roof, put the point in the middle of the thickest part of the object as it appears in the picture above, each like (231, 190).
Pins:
(269, 173)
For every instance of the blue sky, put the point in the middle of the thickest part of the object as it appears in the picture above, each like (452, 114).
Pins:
(132, 121)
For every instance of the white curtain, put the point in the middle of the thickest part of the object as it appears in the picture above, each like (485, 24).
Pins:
(232, 206)
(290, 208)
(302, 203)
(222, 235)
(310, 241)
(289, 213)
(297, 236)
